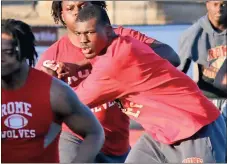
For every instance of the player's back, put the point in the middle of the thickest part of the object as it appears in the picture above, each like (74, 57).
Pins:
(26, 120)
(164, 100)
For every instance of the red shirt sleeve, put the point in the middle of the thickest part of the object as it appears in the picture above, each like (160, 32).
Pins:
(135, 34)
(99, 87)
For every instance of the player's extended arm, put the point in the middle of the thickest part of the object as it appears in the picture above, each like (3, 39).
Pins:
(220, 80)
(79, 119)
(64, 70)
(98, 88)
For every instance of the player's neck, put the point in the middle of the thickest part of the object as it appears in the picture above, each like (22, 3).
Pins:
(218, 25)
(17, 79)
(111, 39)
(71, 37)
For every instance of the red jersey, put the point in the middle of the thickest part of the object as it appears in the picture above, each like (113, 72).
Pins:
(165, 101)
(135, 34)
(26, 119)
(114, 122)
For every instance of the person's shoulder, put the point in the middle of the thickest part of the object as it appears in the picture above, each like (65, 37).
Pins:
(188, 37)
(124, 46)
(54, 48)
(60, 89)
(40, 78)
(118, 55)
(127, 44)
(43, 78)
(123, 31)
(123, 43)
(40, 74)
(193, 30)
(115, 52)
(116, 28)
(130, 43)
(58, 43)
(126, 40)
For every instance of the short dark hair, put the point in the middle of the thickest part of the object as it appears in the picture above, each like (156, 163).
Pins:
(93, 11)
(23, 37)
(56, 10)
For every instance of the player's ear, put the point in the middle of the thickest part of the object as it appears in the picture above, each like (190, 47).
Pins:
(62, 17)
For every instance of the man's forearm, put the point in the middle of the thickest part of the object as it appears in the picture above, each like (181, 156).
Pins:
(220, 80)
(89, 148)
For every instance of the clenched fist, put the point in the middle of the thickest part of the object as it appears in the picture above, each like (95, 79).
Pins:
(64, 70)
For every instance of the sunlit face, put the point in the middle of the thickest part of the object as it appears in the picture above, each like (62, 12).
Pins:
(9, 62)
(70, 10)
(92, 37)
(217, 10)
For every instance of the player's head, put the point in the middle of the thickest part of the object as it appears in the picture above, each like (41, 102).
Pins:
(17, 46)
(93, 30)
(66, 11)
(217, 11)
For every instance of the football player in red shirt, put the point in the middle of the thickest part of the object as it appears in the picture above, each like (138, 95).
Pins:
(65, 52)
(35, 104)
(181, 124)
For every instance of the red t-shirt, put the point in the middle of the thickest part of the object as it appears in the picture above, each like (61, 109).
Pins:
(115, 123)
(165, 101)
(26, 119)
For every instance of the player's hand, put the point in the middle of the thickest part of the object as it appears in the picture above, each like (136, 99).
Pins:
(49, 67)
(56, 69)
(66, 70)
(220, 80)
(63, 70)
